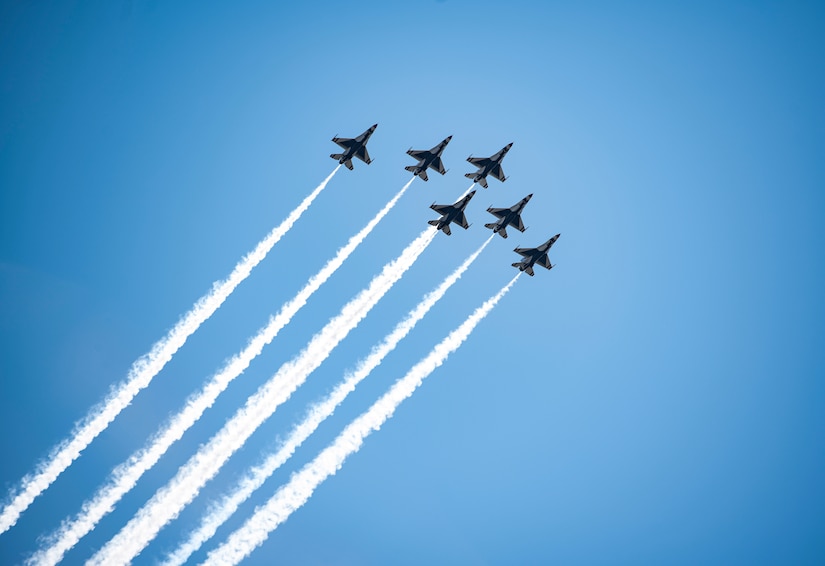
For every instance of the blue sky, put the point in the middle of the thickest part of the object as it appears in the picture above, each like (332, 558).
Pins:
(656, 398)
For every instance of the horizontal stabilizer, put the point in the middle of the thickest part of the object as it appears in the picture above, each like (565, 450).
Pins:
(348, 163)
(469, 175)
(432, 222)
(336, 155)
(503, 232)
(411, 168)
(491, 225)
(483, 182)
(446, 229)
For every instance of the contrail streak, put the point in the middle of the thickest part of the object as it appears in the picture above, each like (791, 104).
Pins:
(141, 373)
(465, 193)
(168, 502)
(315, 416)
(303, 483)
(125, 476)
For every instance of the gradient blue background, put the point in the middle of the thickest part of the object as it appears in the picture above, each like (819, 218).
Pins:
(655, 399)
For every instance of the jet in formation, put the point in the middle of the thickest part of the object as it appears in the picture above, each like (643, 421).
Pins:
(451, 213)
(508, 217)
(356, 147)
(533, 256)
(428, 159)
(488, 166)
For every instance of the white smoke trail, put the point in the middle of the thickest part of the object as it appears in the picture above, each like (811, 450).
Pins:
(315, 416)
(168, 502)
(143, 370)
(303, 483)
(125, 476)
(465, 193)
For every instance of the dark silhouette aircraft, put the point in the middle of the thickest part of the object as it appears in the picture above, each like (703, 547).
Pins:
(428, 159)
(354, 148)
(508, 217)
(488, 166)
(451, 213)
(533, 256)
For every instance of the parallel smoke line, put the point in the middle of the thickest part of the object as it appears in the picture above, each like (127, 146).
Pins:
(143, 370)
(256, 477)
(303, 483)
(126, 476)
(168, 502)
(465, 193)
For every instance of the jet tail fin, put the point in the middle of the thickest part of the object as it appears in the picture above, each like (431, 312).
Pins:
(521, 267)
(501, 231)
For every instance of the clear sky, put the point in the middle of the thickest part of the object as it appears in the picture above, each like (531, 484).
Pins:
(655, 399)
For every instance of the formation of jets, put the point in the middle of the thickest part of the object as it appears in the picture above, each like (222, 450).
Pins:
(454, 213)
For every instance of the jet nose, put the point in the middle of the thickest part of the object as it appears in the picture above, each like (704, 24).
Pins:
(374, 126)
(509, 145)
(472, 193)
(529, 196)
(449, 138)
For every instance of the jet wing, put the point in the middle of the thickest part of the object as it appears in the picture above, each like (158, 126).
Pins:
(346, 143)
(461, 220)
(526, 252)
(363, 155)
(438, 165)
(499, 212)
(498, 173)
(442, 208)
(418, 153)
(479, 161)
(544, 262)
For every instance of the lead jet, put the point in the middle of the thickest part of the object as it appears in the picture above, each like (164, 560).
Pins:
(354, 148)
(508, 217)
(428, 159)
(533, 256)
(451, 213)
(488, 166)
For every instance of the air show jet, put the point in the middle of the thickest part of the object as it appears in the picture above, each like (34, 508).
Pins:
(488, 166)
(451, 213)
(508, 217)
(354, 148)
(428, 159)
(533, 256)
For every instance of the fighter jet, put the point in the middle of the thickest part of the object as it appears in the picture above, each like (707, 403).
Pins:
(508, 217)
(533, 256)
(354, 148)
(488, 166)
(428, 158)
(451, 213)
